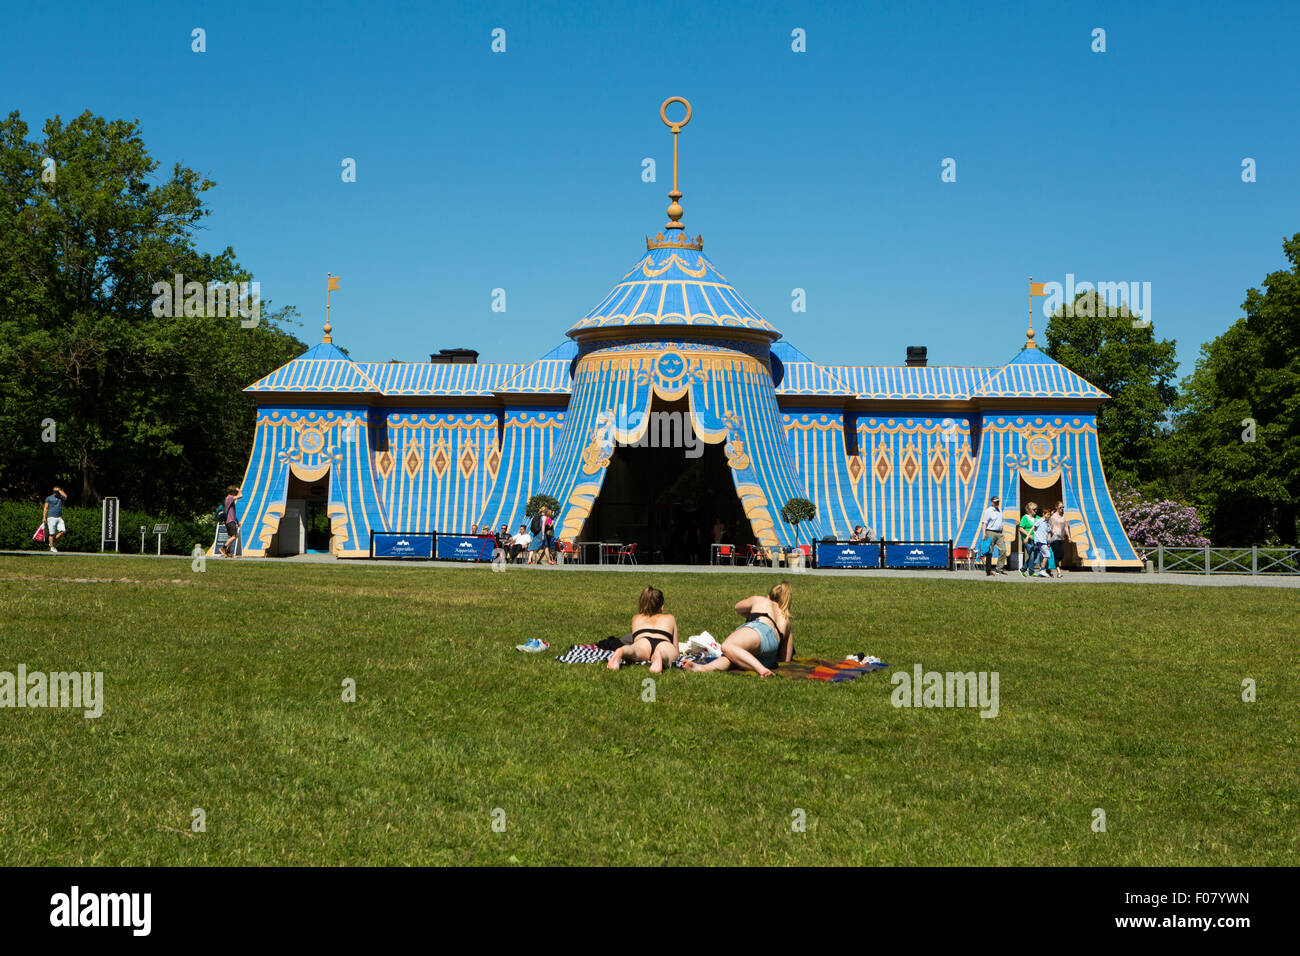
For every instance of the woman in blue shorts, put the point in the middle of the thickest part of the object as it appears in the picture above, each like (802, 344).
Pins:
(762, 641)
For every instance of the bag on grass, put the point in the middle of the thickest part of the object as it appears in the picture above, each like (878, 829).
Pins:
(703, 645)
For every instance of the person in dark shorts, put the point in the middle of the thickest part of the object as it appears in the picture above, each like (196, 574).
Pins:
(233, 494)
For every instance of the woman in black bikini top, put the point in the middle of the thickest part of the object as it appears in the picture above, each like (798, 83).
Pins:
(655, 640)
(759, 644)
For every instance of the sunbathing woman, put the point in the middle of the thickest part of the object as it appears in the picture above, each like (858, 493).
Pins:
(762, 641)
(654, 635)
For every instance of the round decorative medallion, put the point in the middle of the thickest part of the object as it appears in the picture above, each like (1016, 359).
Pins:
(1039, 448)
(311, 441)
(670, 368)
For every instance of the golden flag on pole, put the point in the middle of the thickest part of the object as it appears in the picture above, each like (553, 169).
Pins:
(1036, 288)
(334, 283)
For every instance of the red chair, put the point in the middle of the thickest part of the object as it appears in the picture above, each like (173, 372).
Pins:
(724, 551)
(570, 552)
(629, 552)
(962, 554)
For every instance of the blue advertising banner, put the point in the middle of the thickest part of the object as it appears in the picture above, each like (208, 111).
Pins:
(848, 555)
(917, 554)
(392, 545)
(465, 547)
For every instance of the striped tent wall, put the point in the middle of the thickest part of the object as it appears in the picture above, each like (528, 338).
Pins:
(816, 439)
(438, 469)
(916, 475)
(604, 390)
(739, 393)
(315, 445)
(529, 436)
(1038, 448)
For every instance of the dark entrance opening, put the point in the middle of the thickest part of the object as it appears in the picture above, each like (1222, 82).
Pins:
(668, 502)
(309, 501)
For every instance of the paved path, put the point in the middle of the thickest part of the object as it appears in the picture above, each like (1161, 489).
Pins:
(1013, 578)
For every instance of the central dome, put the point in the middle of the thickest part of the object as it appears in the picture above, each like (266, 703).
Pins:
(676, 286)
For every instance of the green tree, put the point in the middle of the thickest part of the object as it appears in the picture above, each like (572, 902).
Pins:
(149, 409)
(796, 511)
(1236, 447)
(1115, 350)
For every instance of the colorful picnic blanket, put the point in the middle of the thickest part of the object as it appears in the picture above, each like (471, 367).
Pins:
(811, 668)
(590, 654)
(807, 668)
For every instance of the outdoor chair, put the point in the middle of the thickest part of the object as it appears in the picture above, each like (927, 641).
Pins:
(629, 552)
(724, 551)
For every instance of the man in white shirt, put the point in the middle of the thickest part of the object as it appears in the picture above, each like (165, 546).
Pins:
(991, 525)
(519, 542)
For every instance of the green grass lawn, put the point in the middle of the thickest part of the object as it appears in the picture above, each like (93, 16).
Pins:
(223, 691)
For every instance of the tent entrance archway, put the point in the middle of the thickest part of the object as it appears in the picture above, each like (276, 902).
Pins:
(1043, 494)
(667, 499)
(305, 526)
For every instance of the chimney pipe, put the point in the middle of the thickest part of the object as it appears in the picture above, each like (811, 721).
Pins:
(916, 356)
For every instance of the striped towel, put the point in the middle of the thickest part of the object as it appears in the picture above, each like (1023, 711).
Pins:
(591, 654)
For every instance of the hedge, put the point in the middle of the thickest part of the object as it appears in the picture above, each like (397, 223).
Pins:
(19, 520)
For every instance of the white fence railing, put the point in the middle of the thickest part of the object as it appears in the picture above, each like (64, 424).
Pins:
(1224, 560)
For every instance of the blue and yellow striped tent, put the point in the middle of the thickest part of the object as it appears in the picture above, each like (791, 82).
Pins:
(911, 451)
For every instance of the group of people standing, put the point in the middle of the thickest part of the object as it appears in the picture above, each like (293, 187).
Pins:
(758, 645)
(1043, 538)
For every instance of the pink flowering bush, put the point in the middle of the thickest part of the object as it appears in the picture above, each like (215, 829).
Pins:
(1150, 524)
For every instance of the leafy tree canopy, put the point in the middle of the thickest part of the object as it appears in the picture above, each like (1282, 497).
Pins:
(1113, 349)
(1236, 448)
(147, 408)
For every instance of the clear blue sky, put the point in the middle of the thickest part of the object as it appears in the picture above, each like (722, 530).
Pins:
(817, 170)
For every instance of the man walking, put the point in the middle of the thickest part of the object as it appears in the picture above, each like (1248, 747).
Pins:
(52, 517)
(233, 494)
(991, 522)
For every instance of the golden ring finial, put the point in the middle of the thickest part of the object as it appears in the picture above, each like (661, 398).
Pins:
(663, 113)
(675, 210)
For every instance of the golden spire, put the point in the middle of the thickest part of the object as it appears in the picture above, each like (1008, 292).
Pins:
(1029, 332)
(331, 283)
(674, 210)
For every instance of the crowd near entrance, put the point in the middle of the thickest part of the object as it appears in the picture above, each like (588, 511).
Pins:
(1045, 497)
